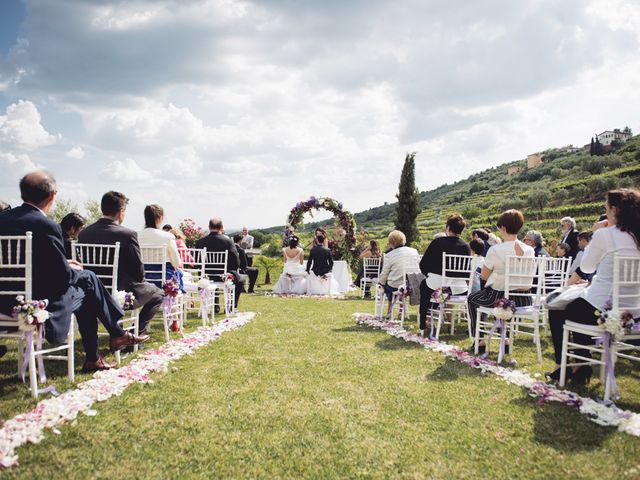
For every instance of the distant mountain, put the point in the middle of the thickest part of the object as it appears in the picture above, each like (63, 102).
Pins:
(569, 181)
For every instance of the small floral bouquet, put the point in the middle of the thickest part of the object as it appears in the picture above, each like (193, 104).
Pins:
(441, 295)
(126, 300)
(203, 284)
(404, 291)
(616, 324)
(228, 280)
(171, 288)
(504, 308)
(30, 314)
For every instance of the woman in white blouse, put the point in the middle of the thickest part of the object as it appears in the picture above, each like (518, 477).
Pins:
(393, 269)
(493, 270)
(619, 233)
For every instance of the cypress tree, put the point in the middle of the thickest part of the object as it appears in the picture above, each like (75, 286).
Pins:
(408, 207)
(592, 148)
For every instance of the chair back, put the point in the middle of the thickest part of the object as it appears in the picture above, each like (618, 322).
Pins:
(16, 272)
(626, 283)
(456, 268)
(194, 259)
(519, 275)
(154, 259)
(215, 264)
(554, 273)
(101, 260)
(371, 267)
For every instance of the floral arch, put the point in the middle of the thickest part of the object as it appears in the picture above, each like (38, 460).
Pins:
(344, 221)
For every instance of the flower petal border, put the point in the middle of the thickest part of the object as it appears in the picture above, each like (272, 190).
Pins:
(606, 415)
(52, 412)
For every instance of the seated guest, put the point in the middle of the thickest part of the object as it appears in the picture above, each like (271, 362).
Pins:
(4, 206)
(372, 251)
(534, 239)
(493, 270)
(570, 235)
(152, 236)
(481, 234)
(68, 287)
(217, 241)
(392, 275)
(431, 263)
(107, 231)
(71, 225)
(185, 256)
(583, 241)
(245, 269)
(563, 250)
(477, 249)
(618, 234)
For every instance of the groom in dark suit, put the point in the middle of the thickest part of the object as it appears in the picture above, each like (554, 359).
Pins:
(107, 231)
(320, 258)
(68, 287)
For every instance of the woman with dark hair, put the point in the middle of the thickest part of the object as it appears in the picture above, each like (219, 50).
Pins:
(71, 225)
(563, 250)
(431, 263)
(293, 278)
(317, 232)
(618, 234)
(372, 251)
(493, 270)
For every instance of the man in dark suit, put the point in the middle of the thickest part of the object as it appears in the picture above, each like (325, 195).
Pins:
(320, 258)
(68, 287)
(570, 235)
(245, 269)
(217, 241)
(107, 231)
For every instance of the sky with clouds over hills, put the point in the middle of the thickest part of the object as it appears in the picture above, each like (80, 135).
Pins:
(240, 109)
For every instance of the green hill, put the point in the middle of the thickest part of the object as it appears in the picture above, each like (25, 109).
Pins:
(567, 183)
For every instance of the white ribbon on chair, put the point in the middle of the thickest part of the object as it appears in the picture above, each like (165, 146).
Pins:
(28, 337)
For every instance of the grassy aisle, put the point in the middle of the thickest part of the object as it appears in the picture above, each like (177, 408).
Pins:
(303, 392)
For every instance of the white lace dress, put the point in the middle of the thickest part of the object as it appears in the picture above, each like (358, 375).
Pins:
(294, 277)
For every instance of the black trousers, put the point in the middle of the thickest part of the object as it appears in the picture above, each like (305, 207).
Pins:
(91, 300)
(579, 311)
(486, 298)
(425, 303)
(252, 273)
(149, 297)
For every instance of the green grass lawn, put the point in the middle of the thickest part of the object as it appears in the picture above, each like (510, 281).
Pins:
(303, 392)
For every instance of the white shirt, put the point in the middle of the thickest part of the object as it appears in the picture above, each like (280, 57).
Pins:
(154, 237)
(393, 266)
(576, 262)
(599, 254)
(496, 261)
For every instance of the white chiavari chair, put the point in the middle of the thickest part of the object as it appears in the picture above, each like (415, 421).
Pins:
(370, 273)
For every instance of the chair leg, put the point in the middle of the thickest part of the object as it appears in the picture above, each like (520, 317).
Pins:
(70, 352)
(439, 324)
(536, 339)
(20, 355)
(33, 373)
(476, 347)
(165, 322)
(563, 358)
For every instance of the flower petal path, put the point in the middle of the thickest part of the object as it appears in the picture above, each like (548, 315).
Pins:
(53, 412)
(626, 421)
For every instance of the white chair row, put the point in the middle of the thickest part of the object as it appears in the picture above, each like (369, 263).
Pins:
(625, 289)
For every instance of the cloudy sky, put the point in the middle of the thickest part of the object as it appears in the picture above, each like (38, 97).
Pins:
(240, 109)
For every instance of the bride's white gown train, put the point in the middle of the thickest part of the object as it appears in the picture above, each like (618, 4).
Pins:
(294, 278)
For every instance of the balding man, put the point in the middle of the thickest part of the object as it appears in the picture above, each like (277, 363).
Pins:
(68, 287)
(217, 241)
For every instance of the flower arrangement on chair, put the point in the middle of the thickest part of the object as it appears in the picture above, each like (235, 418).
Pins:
(171, 291)
(503, 310)
(126, 300)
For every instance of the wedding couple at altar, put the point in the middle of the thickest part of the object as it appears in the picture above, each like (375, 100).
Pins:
(316, 278)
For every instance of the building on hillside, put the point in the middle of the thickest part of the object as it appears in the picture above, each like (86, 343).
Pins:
(534, 160)
(609, 136)
(514, 170)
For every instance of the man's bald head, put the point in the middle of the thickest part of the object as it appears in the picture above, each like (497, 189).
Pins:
(216, 224)
(37, 187)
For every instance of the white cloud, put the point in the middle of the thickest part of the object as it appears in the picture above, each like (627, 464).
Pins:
(77, 153)
(13, 167)
(126, 170)
(20, 128)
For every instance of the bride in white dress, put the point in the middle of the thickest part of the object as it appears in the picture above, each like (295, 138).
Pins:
(294, 277)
